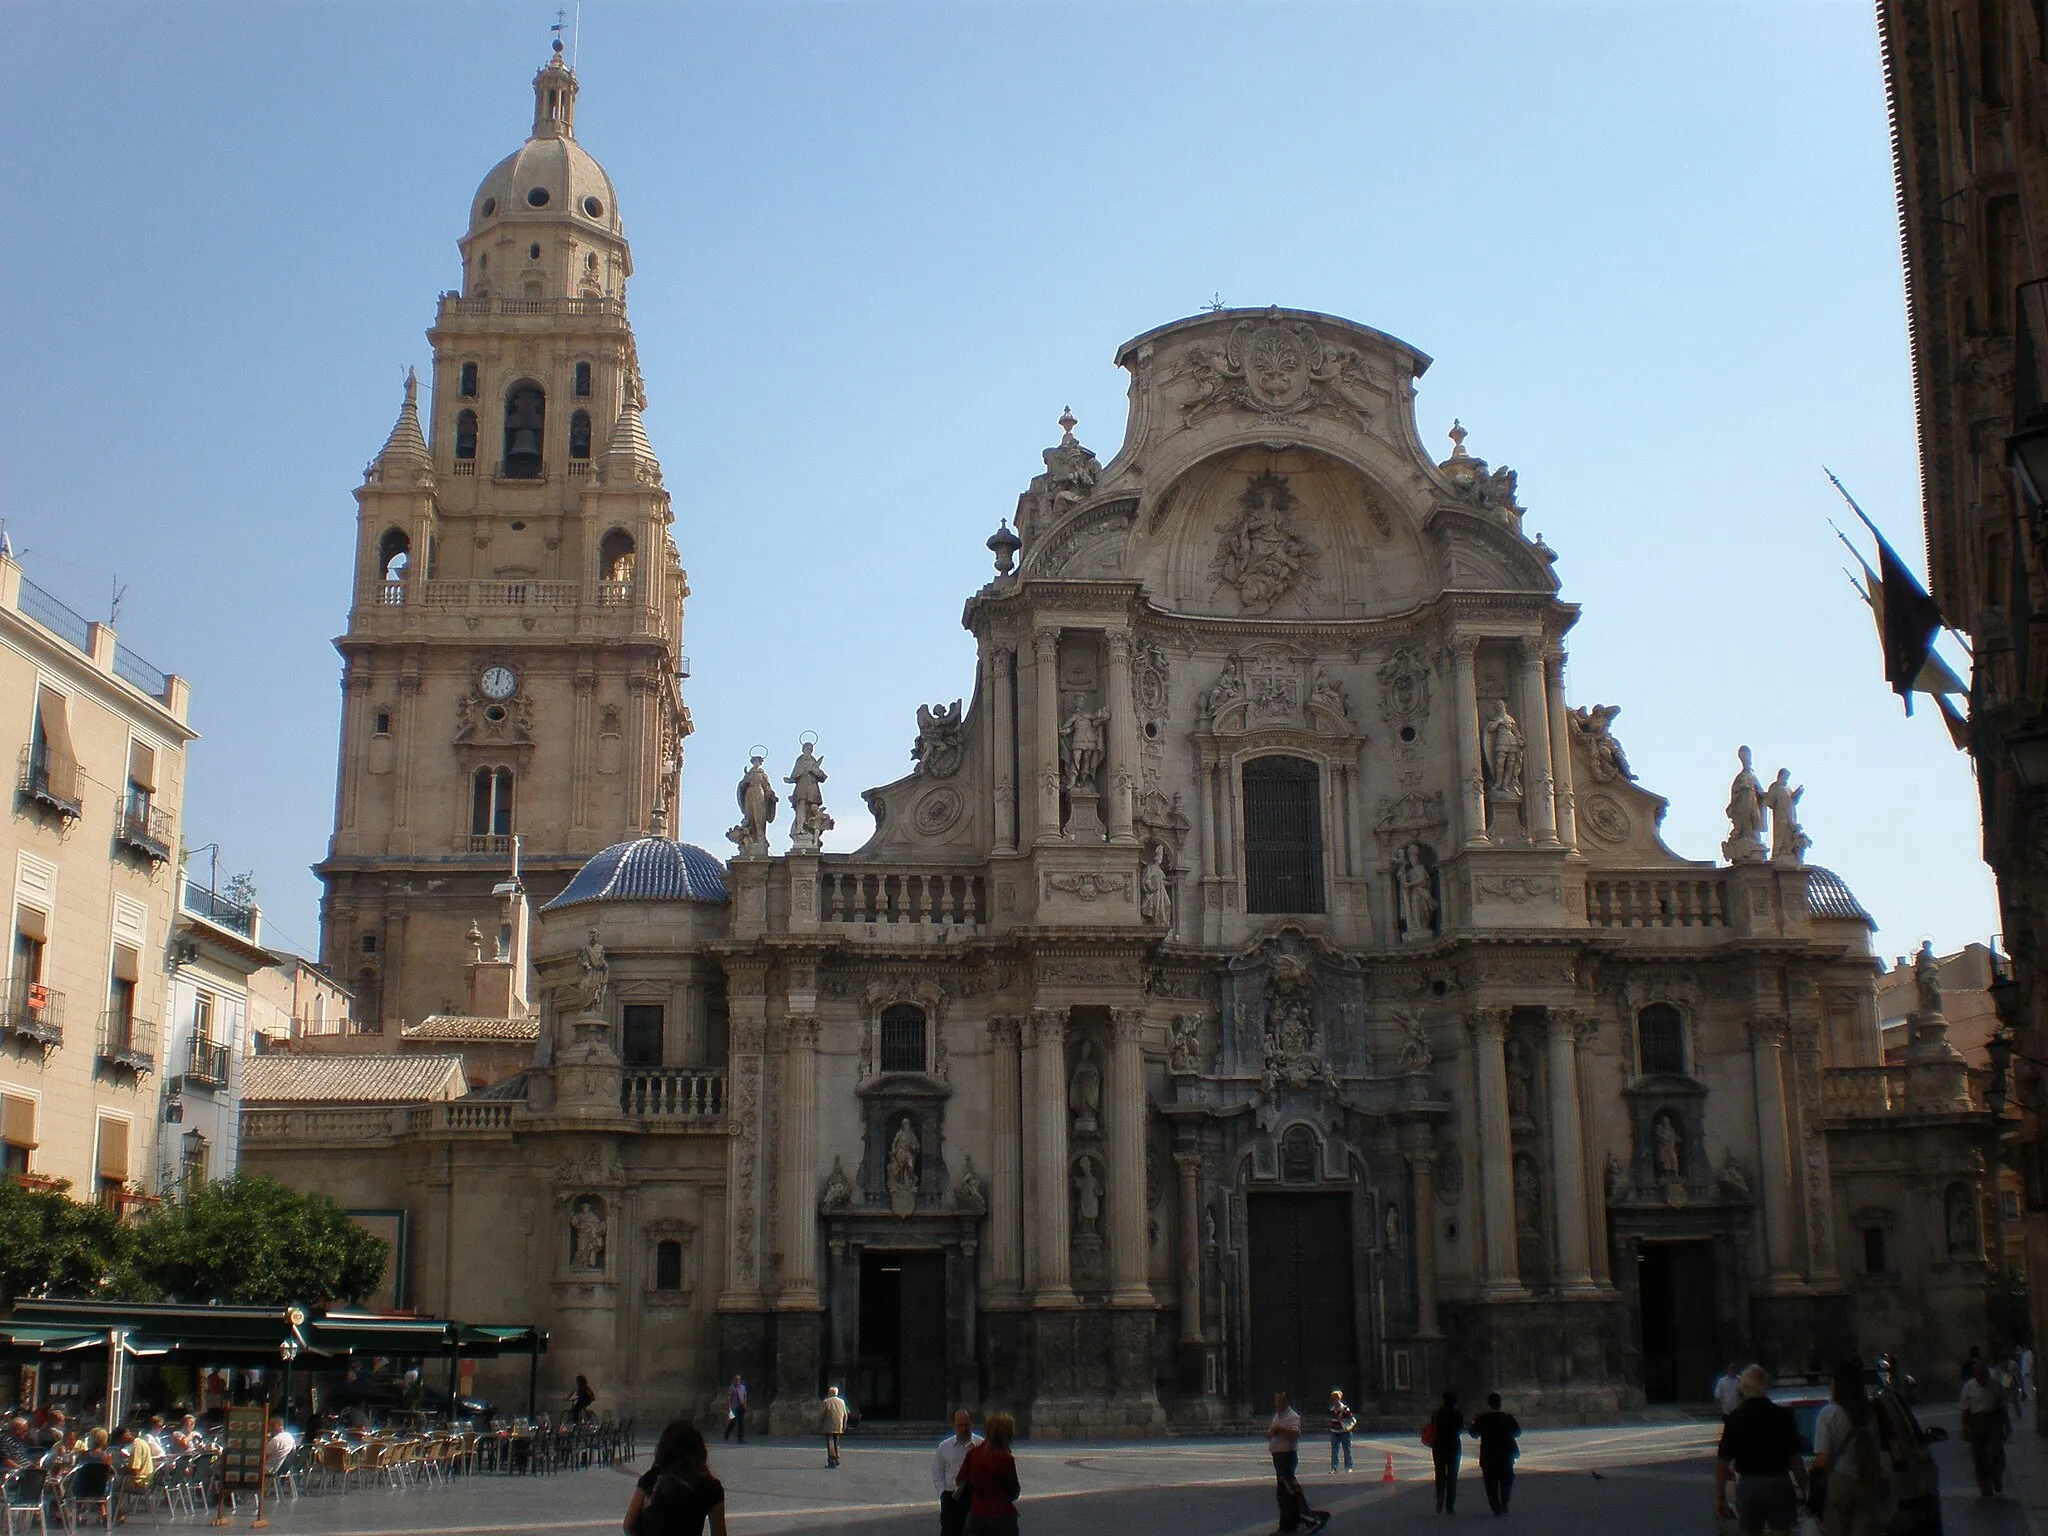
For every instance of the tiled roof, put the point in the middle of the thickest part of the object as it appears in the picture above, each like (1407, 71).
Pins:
(1828, 895)
(646, 869)
(290, 1079)
(463, 1026)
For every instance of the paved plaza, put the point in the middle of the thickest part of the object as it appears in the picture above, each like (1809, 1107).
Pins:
(1653, 1477)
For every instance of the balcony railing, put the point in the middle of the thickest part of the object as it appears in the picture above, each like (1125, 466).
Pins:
(131, 668)
(489, 842)
(219, 910)
(614, 594)
(1657, 901)
(501, 594)
(146, 829)
(128, 1042)
(209, 1062)
(55, 616)
(863, 894)
(459, 1116)
(36, 785)
(31, 1011)
(456, 304)
(522, 476)
(578, 467)
(671, 1093)
(391, 594)
(465, 467)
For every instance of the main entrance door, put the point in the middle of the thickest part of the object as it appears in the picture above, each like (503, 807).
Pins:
(1304, 1340)
(902, 1351)
(1675, 1282)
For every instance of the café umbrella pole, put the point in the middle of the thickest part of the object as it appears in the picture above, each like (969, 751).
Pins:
(533, 1376)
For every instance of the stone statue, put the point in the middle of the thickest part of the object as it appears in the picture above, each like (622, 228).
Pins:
(1521, 1080)
(969, 1194)
(586, 1234)
(1528, 1197)
(1788, 842)
(1228, 690)
(1505, 747)
(1669, 1149)
(1084, 1090)
(1081, 739)
(1962, 1224)
(1927, 980)
(1734, 1182)
(808, 822)
(1595, 725)
(1418, 896)
(1416, 1054)
(941, 740)
(475, 936)
(758, 804)
(1087, 1196)
(1745, 843)
(838, 1188)
(1261, 555)
(596, 972)
(903, 1151)
(1617, 1180)
(1155, 894)
(1392, 1226)
(1184, 1054)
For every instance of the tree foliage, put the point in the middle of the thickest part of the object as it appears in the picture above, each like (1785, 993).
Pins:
(252, 1241)
(53, 1245)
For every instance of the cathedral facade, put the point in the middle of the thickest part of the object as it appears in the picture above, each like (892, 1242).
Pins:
(1264, 977)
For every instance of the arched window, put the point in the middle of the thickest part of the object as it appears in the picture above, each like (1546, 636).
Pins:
(903, 1044)
(465, 435)
(1660, 1039)
(526, 411)
(467, 387)
(583, 381)
(1298, 1156)
(1283, 835)
(579, 435)
(668, 1265)
(490, 805)
(394, 553)
(615, 556)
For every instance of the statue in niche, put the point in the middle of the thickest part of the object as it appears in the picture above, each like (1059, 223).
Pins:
(1326, 692)
(1667, 1144)
(1962, 1223)
(838, 1188)
(1734, 1181)
(1927, 981)
(1595, 725)
(594, 970)
(1291, 1054)
(1789, 841)
(1745, 843)
(586, 1234)
(1617, 1180)
(969, 1194)
(941, 740)
(1084, 1090)
(903, 1153)
(1418, 896)
(1184, 1054)
(1155, 892)
(1228, 690)
(1392, 1226)
(1505, 747)
(1416, 1054)
(1521, 1080)
(1081, 743)
(1261, 555)
(1087, 1197)
(807, 818)
(1528, 1197)
(758, 804)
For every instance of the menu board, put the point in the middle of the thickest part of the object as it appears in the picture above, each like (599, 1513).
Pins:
(241, 1455)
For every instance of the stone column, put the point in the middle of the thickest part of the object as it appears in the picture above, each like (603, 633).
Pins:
(1568, 1151)
(1422, 1232)
(400, 840)
(585, 746)
(1560, 747)
(1496, 1154)
(1123, 739)
(1006, 1182)
(1127, 1226)
(799, 1110)
(1051, 1287)
(1776, 1187)
(1188, 1167)
(748, 1005)
(355, 691)
(1045, 764)
(1465, 733)
(1002, 694)
(1534, 708)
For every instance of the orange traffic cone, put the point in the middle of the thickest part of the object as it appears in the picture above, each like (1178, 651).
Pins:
(1387, 1477)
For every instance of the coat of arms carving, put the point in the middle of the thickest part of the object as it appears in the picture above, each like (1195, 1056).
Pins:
(1261, 555)
(1279, 368)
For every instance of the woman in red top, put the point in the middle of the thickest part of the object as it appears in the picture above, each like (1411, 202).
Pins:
(989, 1474)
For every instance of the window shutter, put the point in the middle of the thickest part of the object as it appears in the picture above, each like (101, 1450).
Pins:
(113, 1150)
(142, 765)
(60, 761)
(18, 1121)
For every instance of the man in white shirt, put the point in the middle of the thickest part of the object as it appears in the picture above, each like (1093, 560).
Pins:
(279, 1446)
(946, 1467)
(1283, 1435)
(1728, 1390)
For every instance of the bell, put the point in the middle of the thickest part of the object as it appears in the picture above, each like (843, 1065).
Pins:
(525, 444)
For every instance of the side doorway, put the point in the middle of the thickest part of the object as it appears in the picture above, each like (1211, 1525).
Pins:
(1681, 1343)
(902, 1342)
(1303, 1303)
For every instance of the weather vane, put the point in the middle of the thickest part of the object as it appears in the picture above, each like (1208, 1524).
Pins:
(1216, 304)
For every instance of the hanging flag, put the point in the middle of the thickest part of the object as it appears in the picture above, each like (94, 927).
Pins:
(1936, 677)
(1908, 619)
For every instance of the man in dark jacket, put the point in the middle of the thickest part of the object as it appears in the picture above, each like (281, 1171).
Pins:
(1760, 1450)
(1496, 1433)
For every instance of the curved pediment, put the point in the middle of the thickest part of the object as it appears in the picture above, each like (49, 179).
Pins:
(1479, 555)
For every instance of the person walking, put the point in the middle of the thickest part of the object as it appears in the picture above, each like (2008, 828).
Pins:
(1283, 1437)
(1759, 1452)
(1846, 1468)
(736, 1408)
(677, 1495)
(946, 1472)
(1342, 1422)
(835, 1424)
(1728, 1391)
(988, 1477)
(1497, 1433)
(1982, 1409)
(580, 1400)
(1442, 1435)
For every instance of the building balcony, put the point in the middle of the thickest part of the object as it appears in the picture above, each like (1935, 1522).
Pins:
(391, 593)
(38, 787)
(32, 1012)
(208, 1062)
(127, 1042)
(454, 305)
(524, 472)
(500, 594)
(145, 829)
(671, 1093)
(1657, 901)
(900, 899)
(212, 907)
(465, 467)
(489, 842)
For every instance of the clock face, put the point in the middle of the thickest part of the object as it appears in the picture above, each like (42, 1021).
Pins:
(498, 682)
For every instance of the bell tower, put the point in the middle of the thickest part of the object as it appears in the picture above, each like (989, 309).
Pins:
(511, 670)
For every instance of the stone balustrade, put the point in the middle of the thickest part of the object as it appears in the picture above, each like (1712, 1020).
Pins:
(1657, 901)
(1853, 1092)
(863, 893)
(358, 1124)
(460, 1115)
(671, 1093)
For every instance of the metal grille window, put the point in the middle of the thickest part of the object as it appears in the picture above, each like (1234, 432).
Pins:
(1660, 1039)
(903, 1039)
(668, 1265)
(1283, 835)
(642, 1031)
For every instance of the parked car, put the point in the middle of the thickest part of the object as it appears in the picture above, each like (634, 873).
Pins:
(1911, 1492)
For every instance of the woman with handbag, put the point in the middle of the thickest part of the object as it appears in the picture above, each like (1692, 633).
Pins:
(1443, 1434)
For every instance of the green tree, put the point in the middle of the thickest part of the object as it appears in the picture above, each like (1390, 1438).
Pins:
(252, 1241)
(52, 1245)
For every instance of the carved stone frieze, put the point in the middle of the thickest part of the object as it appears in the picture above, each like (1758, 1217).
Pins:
(1278, 368)
(1089, 886)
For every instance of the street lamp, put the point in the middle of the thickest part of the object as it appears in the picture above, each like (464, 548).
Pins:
(2028, 749)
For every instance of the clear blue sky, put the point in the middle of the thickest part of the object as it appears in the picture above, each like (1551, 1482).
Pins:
(1652, 248)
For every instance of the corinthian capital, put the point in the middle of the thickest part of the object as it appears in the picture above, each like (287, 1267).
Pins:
(1045, 644)
(1003, 1028)
(1049, 1025)
(1127, 1024)
(1490, 1023)
(1767, 1031)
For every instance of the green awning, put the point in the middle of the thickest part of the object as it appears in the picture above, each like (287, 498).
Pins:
(374, 1333)
(488, 1340)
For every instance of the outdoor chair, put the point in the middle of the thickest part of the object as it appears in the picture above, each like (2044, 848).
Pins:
(93, 1489)
(202, 1477)
(335, 1463)
(287, 1475)
(21, 1500)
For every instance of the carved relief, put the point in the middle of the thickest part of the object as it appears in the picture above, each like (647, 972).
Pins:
(1606, 818)
(1088, 887)
(1277, 368)
(1404, 688)
(938, 812)
(1261, 555)
(1605, 759)
(1518, 889)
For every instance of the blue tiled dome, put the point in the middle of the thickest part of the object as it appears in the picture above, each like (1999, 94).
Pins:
(646, 869)
(1828, 895)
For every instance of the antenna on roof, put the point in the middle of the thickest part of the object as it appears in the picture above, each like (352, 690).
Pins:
(114, 604)
(576, 36)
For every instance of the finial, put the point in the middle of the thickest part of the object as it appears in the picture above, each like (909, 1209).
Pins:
(412, 388)
(560, 17)
(1004, 544)
(1458, 436)
(1068, 421)
(658, 823)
